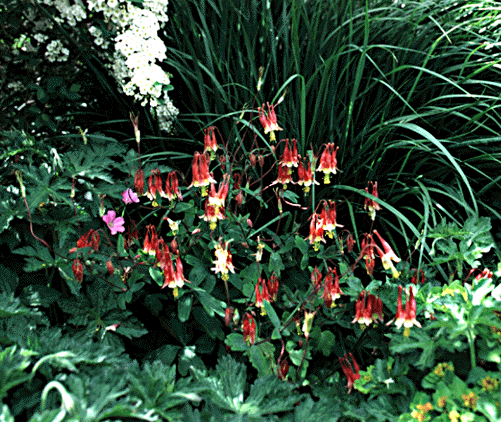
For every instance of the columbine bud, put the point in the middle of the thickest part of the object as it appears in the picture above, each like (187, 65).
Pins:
(252, 158)
(77, 268)
(261, 160)
(109, 266)
(249, 222)
(139, 182)
(222, 159)
(173, 246)
(228, 316)
(239, 198)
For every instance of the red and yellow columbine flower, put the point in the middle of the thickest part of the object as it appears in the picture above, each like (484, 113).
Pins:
(154, 185)
(406, 317)
(351, 375)
(172, 186)
(284, 176)
(262, 294)
(150, 245)
(269, 122)
(316, 231)
(224, 260)
(89, 239)
(410, 311)
(249, 329)
(400, 315)
(290, 158)
(388, 256)
(331, 291)
(329, 218)
(210, 144)
(214, 206)
(305, 176)
(201, 176)
(366, 315)
(172, 279)
(370, 204)
(328, 162)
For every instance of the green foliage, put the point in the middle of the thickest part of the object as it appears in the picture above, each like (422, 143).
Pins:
(102, 326)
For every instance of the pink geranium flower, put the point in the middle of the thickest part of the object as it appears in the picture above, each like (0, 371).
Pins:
(116, 224)
(129, 196)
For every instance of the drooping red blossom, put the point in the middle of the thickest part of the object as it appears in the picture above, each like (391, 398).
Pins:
(316, 231)
(150, 245)
(249, 329)
(89, 239)
(273, 287)
(388, 256)
(305, 175)
(269, 122)
(200, 169)
(328, 216)
(370, 204)
(400, 315)
(262, 294)
(332, 291)
(172, 186)
(328, 162)
(351, 373)
(290, 158)
(210, 144)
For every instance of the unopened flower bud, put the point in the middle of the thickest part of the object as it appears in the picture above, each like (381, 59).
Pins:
(173, 246)
(252, 158)
(222, 159)
(228, 315)
(77, 268)
(239, 198)
(249, 222)
(261, 160)
(109, 266)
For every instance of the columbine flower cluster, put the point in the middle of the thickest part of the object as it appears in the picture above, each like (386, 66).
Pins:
(137, 48)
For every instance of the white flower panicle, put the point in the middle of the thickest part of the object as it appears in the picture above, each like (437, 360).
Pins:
(137, 47)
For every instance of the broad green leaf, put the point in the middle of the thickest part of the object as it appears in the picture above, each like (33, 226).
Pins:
(184, 307)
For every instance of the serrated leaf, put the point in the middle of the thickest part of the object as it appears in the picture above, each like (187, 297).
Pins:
(326, 342)
(260, 360)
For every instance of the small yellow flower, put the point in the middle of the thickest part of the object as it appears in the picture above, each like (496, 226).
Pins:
(490, 384)
(470, 399)
(453, 416)
(441, 402)
(418, 415)
(439, 370)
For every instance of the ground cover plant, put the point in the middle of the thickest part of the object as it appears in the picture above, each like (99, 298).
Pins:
(274, 235)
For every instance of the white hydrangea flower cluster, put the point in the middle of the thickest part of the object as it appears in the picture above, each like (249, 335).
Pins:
(137, 48)
(56, 51)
